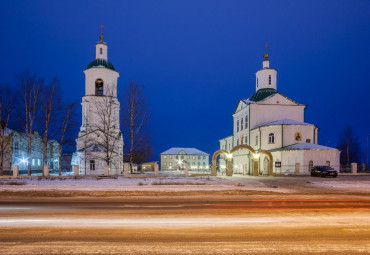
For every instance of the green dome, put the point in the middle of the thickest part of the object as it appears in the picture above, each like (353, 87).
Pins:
(262, 94)
(101, 62)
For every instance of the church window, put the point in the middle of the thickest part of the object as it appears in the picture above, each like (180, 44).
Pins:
(33, 161)
(170, 156)
(165, 163)
(310, 165)
(308, 140)
(188, 157)
(241, 124)
(237, 141)
(177, 157)
(246, 139)
(193, 157)
(92, 165)
(256, 139)
(182, 157)
(99, 87)
(269, 79)
(170, 163)
(198, 157)
(164, 156)
(298, 137)
(101, 50)
(246, 121)
(237, 126)
(327, 163)
(271, 138)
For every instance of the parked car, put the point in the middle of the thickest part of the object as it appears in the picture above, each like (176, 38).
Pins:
(323, 171)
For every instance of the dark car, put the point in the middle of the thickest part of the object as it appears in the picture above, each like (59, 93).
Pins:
(323, 171)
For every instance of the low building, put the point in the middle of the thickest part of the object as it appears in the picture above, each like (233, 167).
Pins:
(16, 152)
(176, 158)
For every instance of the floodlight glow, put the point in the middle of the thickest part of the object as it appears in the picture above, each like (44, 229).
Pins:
(24, 160)
(229, 156)
(256, 155)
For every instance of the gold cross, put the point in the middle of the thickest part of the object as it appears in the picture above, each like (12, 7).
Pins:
(101, 33)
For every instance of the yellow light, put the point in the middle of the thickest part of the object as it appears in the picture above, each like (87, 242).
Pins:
(256, 155)
(229, 156)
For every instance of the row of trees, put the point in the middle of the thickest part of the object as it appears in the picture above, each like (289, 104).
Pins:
(34, 105)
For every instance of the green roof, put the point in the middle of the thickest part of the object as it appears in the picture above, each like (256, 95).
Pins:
(101, 62)
(262, 94)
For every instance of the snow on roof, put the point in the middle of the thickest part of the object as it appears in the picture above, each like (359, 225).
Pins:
(7, 131)
(304, 146)
(189, 151)
(93, 147)
(284, 122)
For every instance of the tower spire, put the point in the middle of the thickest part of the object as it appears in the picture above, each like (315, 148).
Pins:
(101, 33)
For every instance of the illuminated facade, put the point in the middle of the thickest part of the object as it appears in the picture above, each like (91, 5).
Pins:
(176, 158)
(270, 121)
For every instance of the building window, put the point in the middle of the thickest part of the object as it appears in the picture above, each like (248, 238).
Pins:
(16, 148)
(33, 161)
(165, 163)
(177, 157)
(310, 165)
(39, 162)
(198, 157)
(256, 139)
(241, 124)
(99, 87)
(182, 157)
(164, 156)
(193, 157)
(101, 51)
(170, 156)
(188, 157)
(271, 138)
(237, 142)
(204, 157)
(237, 126)
(193, 163)
(308, 140)
(298, 137)
(327, 163)
(246, 121)
(92, 165)
(269, 79)
(246, 139)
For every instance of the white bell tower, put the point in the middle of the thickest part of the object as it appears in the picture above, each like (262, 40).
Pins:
(100, 141)
(266, 77)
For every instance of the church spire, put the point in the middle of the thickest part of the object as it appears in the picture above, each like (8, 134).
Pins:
(266, 77)
(101, 46)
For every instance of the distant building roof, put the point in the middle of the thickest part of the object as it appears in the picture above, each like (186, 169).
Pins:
(93, 147)
(304, 146)
(262, 94)
(284, 122)
(188, 151)
(7, 131)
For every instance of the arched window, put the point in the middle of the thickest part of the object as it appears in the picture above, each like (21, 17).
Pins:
(327, 163)
(310, 165)
(271, 138)
(298, 137)
(99, 87)
(256, 140)
(246, 121)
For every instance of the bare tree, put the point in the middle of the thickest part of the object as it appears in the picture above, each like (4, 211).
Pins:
(135, 120)
(29, 90)
(51, 103)
(350, 147)
(105, 109)
(6, 108)
(65, 129)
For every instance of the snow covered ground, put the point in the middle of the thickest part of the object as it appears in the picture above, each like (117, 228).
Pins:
(283, 184)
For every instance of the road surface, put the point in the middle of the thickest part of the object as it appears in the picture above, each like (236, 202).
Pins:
(336, 226)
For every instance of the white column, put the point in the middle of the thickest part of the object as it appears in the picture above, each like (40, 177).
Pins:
(46, 170)
(106, 170)
(15, 170)
(126, 166)
(76, 171)
(186, 170)
(354, 168)
(156, 170)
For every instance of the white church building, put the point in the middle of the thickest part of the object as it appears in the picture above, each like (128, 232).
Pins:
(270, 121)
(100, 140)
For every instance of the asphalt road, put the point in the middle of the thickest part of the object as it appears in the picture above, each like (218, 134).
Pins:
(212, 227)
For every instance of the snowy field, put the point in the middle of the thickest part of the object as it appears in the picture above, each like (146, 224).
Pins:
(359, 185)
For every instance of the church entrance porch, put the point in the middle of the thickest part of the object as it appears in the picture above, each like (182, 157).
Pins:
(239, 163)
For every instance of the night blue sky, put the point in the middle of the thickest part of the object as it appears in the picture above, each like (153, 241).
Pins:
(196, 59)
